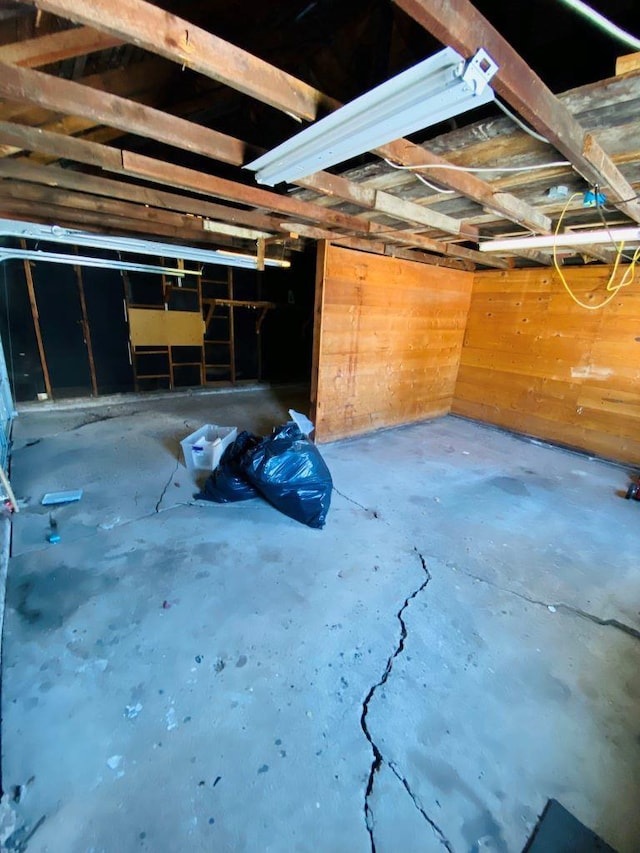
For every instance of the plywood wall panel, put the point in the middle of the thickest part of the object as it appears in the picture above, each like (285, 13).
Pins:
(535, 362)
(387, 341)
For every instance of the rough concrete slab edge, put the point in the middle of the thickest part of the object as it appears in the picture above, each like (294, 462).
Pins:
(118, 399)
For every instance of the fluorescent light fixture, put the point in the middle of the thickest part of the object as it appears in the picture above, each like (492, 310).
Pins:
(432, 91)
(567, 238)
(57, 234)
(269, 262)
(83, 261)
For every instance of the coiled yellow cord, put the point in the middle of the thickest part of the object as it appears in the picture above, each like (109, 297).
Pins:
(612, 289)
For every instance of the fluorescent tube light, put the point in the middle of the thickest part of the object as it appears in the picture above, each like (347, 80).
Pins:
(568, 238)
(57, 234)
(9, 254)
(432, 91)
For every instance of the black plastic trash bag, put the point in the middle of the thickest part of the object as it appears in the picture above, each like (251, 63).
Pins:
(288, 470)
(228, 483)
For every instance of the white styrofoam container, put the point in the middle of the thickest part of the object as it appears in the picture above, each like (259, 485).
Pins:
(204, 447)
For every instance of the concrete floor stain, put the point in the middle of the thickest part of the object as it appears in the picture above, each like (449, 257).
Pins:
(46, 601)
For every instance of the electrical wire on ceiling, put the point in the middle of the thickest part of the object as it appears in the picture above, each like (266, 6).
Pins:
(505, 109)
(604, 23)
(612, 289)
(433, 186)
(531, 168)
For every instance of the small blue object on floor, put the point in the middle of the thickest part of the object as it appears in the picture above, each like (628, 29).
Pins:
(61, 497)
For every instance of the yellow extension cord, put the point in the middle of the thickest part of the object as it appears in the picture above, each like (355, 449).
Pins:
(612, 289)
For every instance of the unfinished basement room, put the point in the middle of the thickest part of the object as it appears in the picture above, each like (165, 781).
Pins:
(320, 426)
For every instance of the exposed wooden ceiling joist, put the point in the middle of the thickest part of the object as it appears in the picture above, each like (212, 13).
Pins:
(382, 202)
(41, 197)
(70, 216)
(71, 179)
(378, 247)
(459, 24)
(99, 107)
(142, 81)
(66, 96)
(157, 171)
(143, 24)
(157, 31)
(55, 47)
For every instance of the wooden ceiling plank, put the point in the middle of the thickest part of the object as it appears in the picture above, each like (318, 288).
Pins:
(69, 216)
(140, 78)
(40, 201)
(157, 171)
(148, 26)
(140, 166)
(73, 180)
(174, 38)
(459, 24)
(104, 108)
(56, 47)
(378, 247)
(43, 195)
(65, 96)
(62, 147)
(626, 64)
(346, 190)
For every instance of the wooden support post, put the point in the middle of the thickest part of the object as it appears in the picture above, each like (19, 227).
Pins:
(6, 485)
(86, 331)
(36, 322)
(260, 258)
(232, 331)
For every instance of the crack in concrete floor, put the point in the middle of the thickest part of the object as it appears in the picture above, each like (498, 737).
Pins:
(560, 607)
(167, 484)
(378, 758)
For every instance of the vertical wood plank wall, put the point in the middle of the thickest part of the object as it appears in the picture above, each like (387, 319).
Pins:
(535, 362)
(387, 341)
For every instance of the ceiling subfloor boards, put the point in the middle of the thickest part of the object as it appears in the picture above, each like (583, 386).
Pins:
(459, 24)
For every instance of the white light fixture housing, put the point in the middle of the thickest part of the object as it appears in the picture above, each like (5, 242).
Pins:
(131, 245)
(9, 254)
(432, 91)
(567, 238)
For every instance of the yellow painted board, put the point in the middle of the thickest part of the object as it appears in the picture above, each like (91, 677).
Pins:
(148, 327)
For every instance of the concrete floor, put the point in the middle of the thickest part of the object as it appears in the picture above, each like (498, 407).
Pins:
(459, 644)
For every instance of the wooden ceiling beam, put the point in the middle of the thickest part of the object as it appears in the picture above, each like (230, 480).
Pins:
(159, 32)
(72, 180)
(99, 107)
(65, 96)
(157, 171)
(378, 247)
(154, 170)
(44, 197)
(69, 216)
(382, 202)
(56, 47)
(460, 25)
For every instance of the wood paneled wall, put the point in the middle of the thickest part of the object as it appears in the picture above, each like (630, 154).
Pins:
(535, 362)
(387, 341)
